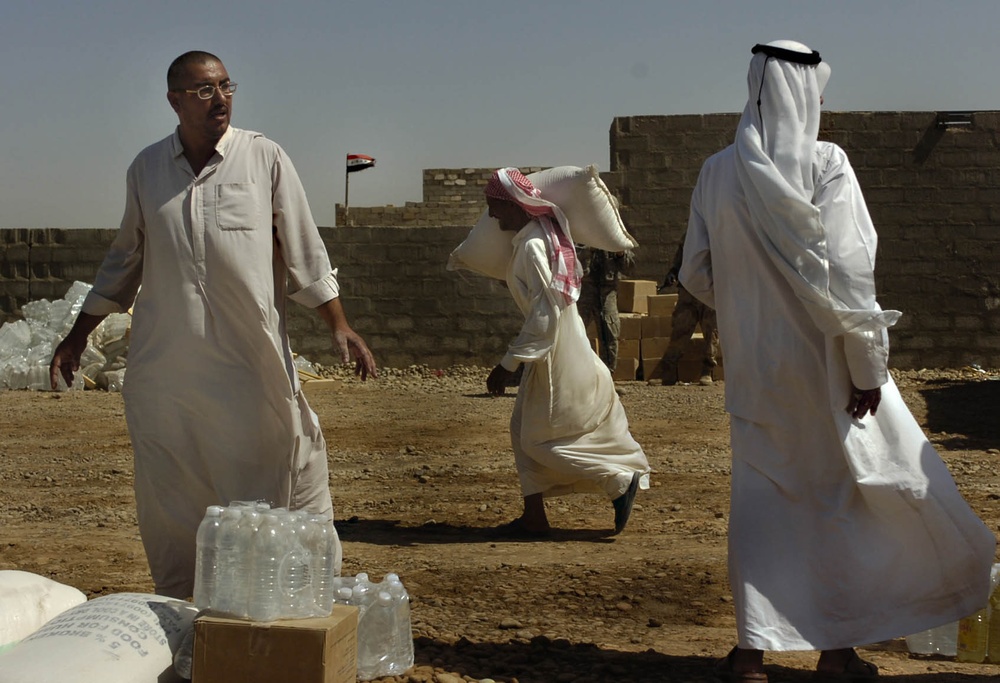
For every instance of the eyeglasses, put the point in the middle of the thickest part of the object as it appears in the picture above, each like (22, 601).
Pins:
(206, 92)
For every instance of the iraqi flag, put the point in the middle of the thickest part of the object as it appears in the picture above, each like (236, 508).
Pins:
(359, 162)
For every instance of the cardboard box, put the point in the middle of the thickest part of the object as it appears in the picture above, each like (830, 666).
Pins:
(628, 348)
(652, 368)
(656, 326)
(320, 650)
(661, 305)
(654, 347)
(689, 371)
(625, 370)
(633, 295)
(631, 326)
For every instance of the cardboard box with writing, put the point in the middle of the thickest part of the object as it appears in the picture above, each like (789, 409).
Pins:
(633, 295)
(318, 650)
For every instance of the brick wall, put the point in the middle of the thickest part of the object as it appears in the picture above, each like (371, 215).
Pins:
(933, 193)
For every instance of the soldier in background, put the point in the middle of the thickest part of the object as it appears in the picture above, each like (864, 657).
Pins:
(688, 313)
(598, 300)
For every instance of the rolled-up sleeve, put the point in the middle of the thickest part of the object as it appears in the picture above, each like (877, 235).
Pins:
(313, 281)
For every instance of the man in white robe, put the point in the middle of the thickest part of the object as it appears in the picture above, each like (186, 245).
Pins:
(218, 232)
(568, 430)
(846, 527)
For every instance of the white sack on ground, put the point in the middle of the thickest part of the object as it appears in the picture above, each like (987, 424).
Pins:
(119, 638)
(28, 601)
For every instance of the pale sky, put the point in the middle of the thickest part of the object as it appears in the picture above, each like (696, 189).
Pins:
(434, 83)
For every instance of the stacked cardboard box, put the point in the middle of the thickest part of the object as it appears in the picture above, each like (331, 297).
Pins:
(645, 334)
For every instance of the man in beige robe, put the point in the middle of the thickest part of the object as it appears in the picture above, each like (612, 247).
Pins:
(218, 232)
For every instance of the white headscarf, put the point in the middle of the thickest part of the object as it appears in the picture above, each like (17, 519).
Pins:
(776, 158)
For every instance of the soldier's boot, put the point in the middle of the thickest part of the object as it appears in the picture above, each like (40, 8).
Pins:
(706, 376)
(669, 377)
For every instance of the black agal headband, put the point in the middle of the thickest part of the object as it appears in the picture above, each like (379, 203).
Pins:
(811, 58)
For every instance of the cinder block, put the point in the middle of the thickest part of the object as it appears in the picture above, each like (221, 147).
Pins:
(633, 295)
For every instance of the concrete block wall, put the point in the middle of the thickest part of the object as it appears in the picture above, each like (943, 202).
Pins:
(395, 289)
(932, 193)
(451, 196)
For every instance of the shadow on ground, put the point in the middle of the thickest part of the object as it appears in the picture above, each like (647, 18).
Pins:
(966, 411)
(542, 660)
(392, 532)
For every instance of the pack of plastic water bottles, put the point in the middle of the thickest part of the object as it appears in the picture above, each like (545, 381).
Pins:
(385, 635)
(259, 563)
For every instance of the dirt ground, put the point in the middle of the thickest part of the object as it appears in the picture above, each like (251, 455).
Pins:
(420, 470)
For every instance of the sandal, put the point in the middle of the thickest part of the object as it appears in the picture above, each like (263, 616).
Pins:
(855, 669)
(724, 670)
(623, 503)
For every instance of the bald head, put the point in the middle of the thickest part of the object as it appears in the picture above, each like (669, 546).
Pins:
(178, 67)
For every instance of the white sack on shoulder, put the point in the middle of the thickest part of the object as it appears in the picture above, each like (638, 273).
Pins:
(28, 601)
(584, 199)
(486, 251)
(119, 638)
(590, 208)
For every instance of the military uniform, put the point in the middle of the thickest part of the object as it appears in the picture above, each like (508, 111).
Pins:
(599, 296)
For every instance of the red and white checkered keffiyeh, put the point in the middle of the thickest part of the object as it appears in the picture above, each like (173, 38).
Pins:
(511, 185)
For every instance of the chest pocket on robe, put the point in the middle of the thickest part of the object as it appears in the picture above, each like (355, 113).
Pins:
(236, 206)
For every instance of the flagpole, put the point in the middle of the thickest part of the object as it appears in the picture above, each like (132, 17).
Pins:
(347, 189)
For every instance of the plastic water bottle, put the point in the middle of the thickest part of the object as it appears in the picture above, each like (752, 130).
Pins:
(228, 574)
(265, 600)
(973, 636)
(375, 637)
(402, 656)
(940, 640)
(323, 547)
(296, 583)
(207, 558)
